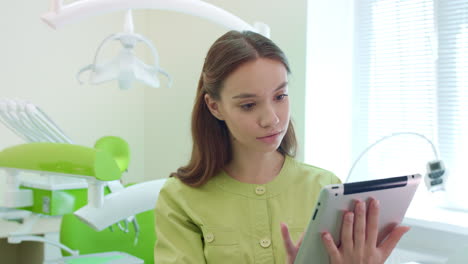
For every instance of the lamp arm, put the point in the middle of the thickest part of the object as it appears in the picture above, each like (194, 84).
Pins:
(387, 137)
(61, 15)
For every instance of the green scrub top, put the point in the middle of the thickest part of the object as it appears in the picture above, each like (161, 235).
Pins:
(227, 221)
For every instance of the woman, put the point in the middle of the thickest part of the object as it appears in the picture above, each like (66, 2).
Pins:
(242, 195)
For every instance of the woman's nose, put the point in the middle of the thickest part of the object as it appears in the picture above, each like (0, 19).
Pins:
(269, 118)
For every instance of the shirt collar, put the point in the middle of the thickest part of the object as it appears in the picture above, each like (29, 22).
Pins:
(259, 191)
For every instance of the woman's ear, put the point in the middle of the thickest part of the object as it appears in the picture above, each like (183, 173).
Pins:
(213, 106)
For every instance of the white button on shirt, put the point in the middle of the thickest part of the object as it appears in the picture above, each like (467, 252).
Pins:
(209, 237)
(260, 190)
(265, 242)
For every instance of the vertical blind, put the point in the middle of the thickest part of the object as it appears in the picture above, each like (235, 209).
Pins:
(411, 75)
(451, 18)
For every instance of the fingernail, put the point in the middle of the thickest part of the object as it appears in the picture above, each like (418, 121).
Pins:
(350, 217)
(360, 207)
(327, 236)
(376, 204)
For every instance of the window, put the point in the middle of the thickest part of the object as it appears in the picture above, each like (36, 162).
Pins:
(411, 74)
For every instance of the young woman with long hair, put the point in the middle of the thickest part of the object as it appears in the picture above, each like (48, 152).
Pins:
(243, 198)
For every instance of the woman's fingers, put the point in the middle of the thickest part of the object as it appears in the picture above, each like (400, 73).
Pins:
(347, 232)
(372, 223)
(390, 243)
(331, 248)
(291, 249)
(359, 234)
(359, 226)
(288, 244)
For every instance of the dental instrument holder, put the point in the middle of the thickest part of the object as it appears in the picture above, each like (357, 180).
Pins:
(29, 122)
(120, 205)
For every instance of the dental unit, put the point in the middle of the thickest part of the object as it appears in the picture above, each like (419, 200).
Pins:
(54, 195)
(51, 153)
(98, 166)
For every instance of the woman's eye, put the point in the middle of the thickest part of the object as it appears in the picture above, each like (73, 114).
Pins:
(281, 97)
(247, 106)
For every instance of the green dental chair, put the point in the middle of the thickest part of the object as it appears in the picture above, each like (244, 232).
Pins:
(115, 225)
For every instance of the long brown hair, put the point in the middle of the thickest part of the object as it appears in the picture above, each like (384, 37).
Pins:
(211, 143)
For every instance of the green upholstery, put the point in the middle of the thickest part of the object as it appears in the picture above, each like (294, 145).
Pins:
(62, 159)
(117, 147)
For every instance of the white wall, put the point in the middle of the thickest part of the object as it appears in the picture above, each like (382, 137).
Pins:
(329, 85)
(183, 42)
(39, 64)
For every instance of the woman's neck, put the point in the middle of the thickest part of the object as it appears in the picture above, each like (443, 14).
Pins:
(256, 167)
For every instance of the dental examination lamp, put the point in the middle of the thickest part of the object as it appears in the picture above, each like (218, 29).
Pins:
(126, 68)
(435, 178)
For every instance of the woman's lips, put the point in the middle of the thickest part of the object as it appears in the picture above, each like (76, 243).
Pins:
(270, 138)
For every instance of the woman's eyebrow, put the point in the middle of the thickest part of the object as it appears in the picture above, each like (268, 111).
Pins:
(249, 95)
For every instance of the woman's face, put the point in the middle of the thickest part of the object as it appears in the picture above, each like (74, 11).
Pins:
(254, 104)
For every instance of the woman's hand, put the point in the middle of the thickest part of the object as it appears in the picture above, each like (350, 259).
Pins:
(359, 238)
(291, 248)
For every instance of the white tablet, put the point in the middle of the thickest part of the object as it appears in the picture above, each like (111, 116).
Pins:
(394, 194)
